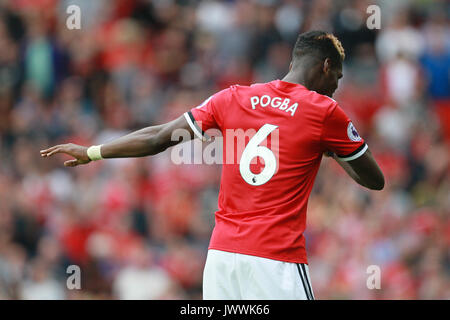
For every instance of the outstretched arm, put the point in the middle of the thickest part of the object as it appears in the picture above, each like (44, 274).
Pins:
(144, 142)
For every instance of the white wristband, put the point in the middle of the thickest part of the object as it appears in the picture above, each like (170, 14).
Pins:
(94, 153)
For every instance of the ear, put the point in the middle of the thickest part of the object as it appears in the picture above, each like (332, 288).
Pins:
(326, 65)
(290, 66)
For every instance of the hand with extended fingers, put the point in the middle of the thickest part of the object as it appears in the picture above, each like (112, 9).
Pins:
(74, 150)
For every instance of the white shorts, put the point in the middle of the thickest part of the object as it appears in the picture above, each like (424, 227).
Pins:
(235, 276)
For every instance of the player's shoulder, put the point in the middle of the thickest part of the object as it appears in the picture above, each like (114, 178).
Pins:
(328, 100)
(251, 87)
(318, 103)
(240, 91)
(323, 100)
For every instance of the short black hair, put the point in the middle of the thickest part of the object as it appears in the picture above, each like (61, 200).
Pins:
(319, 44)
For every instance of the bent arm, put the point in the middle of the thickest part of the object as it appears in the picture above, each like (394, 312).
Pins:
(364, 170)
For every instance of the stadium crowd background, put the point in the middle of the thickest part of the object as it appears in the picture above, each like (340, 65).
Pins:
(139, 228)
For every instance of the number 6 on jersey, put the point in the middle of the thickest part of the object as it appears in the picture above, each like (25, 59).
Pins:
(252, 150)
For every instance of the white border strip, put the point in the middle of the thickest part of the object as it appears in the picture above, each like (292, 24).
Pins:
(355, 156)
(193, 127)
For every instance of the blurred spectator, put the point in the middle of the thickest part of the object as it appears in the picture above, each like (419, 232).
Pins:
(41, 285)
(141, 279)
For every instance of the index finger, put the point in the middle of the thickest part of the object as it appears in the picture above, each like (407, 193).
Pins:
(52, 150)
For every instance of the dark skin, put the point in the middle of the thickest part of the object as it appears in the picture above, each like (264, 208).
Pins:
(323, 77)
(316, 75)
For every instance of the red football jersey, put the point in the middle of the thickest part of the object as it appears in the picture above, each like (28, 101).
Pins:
(274, 135)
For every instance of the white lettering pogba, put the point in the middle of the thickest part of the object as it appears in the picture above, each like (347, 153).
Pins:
(274, 102)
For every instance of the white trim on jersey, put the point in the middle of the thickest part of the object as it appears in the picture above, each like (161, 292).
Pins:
(355, 156)
(194, 127)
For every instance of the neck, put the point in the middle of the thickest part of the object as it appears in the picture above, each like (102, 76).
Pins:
(302, 71)
(296, 77)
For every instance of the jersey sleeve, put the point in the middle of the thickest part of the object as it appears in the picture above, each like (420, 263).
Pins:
(339, 135)
(208, 115)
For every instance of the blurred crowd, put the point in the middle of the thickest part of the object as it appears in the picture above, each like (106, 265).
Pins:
(139, 228)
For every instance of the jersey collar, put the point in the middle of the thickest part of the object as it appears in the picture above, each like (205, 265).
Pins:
(287, 86)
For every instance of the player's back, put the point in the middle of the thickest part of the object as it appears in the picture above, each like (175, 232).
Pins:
(274, 136)
(287, 119)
